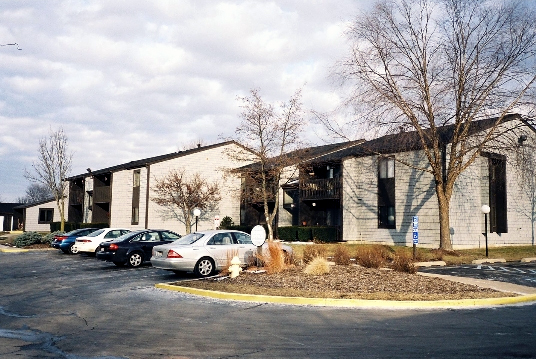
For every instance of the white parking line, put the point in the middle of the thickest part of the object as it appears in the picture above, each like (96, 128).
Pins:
(519, 270)
(505, 269)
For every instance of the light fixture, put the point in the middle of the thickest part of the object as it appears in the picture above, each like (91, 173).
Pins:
(485, 209)
(314, 204)
(197, 213)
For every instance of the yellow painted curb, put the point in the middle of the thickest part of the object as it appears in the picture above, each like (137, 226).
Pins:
(364, 303)
(13, 250)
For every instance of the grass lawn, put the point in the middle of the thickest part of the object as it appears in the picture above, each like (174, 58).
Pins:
(462, 256)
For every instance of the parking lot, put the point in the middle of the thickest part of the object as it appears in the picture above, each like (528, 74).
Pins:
(516, 273)
(54, 305)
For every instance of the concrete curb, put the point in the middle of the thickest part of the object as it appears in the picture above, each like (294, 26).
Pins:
(526, 260)
(356, 303)
(489, 260)
(430, 264)
(6, 249)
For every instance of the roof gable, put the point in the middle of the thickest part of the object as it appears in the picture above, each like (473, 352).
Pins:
(151, 160)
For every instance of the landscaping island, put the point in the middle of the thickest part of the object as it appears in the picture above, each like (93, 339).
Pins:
(345, 282)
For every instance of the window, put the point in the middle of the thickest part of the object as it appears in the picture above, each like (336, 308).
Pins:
(135, 197)
(46, 215)
(220, 239)
(169, 236)
(135, 215)
(386, 193)
(497, 194)
(242, 238)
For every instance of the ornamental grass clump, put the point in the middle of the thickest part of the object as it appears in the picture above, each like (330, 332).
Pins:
(274, 258)
(403, 262)
(371, 256)
(342, 255)
(27, 239)
(317, 266)
(313, 251)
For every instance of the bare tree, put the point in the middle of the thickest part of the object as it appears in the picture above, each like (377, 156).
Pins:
(52, 167)
(36, 193)
(525, 167)
(270, 134)
(180, 195)
(422, 64)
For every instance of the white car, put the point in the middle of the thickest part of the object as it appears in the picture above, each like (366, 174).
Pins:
(205, 252)
(89, 243)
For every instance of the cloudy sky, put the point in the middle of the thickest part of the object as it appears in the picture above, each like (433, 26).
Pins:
(133, 79)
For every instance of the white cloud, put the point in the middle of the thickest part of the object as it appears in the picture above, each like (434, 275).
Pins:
(133, 79)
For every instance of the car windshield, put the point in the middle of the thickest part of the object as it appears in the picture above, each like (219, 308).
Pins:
(189, 238)
(96, 233)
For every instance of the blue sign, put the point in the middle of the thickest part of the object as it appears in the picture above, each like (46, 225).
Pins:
(415, 219)
(416, 235)
(415, 241)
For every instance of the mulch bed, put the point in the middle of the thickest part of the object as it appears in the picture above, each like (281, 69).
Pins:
(349, 282)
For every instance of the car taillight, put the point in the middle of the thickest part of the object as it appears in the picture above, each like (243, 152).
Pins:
(114, 247)
(59, 239)
(83, 240)
(173, 254)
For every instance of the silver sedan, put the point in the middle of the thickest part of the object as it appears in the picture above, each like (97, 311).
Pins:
(205, 252)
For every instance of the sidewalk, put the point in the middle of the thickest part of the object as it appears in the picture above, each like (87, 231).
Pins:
(483, 283)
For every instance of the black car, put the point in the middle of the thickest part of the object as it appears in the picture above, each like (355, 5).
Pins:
(135, 247)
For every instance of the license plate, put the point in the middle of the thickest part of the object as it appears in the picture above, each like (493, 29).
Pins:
(102, 249)
(158, 254)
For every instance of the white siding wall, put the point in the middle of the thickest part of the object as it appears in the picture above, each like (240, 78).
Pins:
(121, 207)
(32, 217)
(415, 195)
(210, 164)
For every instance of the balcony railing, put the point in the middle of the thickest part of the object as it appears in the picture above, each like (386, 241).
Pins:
(76, 197)
(329, 188)
(102, 194)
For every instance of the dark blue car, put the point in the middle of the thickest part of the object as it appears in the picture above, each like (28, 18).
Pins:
(66, 241)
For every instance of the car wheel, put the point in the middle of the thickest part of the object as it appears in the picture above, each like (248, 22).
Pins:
(204, 267)
(135, 259)
(119, 264)
(73, 249)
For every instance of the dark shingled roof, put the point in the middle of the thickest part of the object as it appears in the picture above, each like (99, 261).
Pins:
(306, 154)
(407, 141)
(151, 160)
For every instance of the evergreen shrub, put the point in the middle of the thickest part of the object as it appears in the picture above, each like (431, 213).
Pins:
(27, 239)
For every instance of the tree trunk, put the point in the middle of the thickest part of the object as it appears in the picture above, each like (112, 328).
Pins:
(61, 204)
(188, 224)
(444, 220)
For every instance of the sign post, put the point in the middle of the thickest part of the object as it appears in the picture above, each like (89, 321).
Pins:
(415, 235)
(258, 237)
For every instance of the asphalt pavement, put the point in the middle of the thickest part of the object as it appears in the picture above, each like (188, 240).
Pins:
(54, 305)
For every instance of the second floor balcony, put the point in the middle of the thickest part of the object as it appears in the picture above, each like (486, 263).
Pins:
(102, 194)
(325, 188)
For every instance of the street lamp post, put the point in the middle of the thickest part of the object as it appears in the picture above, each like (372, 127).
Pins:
(485, 209)
(197, 213)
